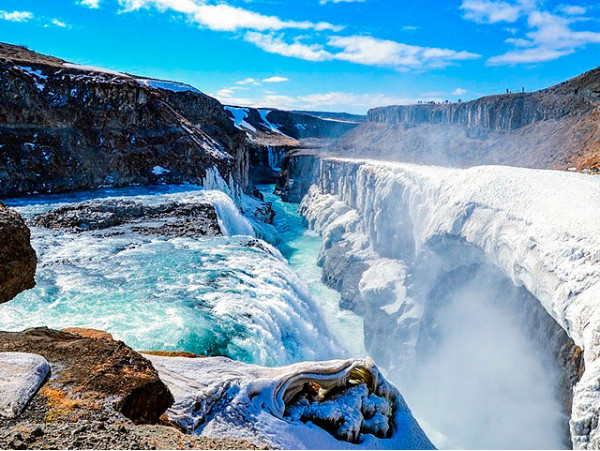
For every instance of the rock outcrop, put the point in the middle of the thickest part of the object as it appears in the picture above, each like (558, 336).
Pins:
(17, 258)
(556, 127)
(65, 127)
(99, 393)
(168, 219)
(92, 378)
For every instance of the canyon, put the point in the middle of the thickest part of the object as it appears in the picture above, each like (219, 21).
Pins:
(448, 243)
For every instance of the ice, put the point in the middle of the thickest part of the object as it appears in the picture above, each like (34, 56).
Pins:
(21, 375)
(219, 397)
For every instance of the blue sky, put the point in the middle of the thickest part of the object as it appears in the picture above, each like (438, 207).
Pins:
(331, 55)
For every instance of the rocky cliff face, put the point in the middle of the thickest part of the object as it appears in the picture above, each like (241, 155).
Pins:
(557, 127)
(17, 257)
(65, 127)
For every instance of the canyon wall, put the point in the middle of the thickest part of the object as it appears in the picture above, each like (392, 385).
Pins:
(558, 127)
(65, 127)
(423, 253)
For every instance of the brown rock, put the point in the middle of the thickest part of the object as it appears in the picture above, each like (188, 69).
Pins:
(91, 376)
(17, 258)
(89, 333)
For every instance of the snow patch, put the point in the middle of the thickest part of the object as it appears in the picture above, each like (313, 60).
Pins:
(168, 85)
(159, 170)
(21, 375)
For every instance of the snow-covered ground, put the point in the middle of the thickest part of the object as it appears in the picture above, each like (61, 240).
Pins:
(536, 228)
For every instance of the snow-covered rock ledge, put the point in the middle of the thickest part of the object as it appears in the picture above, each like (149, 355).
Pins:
(339, 404)
(540, 228)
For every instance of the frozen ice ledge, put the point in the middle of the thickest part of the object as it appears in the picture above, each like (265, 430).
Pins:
(337, 404)
(390, 228)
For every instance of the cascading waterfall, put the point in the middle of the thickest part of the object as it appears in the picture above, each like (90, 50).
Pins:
(233, 295)
(467, 280)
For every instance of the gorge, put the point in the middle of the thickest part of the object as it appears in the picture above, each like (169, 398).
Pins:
(273, 244)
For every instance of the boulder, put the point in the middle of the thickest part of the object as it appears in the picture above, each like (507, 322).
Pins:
(17, 258)
(21, 376)
(92, 377)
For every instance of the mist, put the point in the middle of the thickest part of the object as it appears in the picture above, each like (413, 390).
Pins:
(481, 381)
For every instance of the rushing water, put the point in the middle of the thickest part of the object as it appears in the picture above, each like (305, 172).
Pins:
(300, 247)
(233, 295)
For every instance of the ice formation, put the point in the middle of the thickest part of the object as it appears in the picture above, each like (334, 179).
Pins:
(352, 405)
(537, 228)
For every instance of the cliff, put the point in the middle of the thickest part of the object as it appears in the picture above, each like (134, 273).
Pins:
(65, 127)
(557, 127)
(271, 134)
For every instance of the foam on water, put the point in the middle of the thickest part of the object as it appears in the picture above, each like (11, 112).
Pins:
(300, 247)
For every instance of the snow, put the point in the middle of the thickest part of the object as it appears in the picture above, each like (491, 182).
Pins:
(239, 118)
(94, 69)
(21, 375)
(539, 228)
(269, 125)
(337, 120)
(37, 75)
(168, 85)
(219, 397)
(159, 170)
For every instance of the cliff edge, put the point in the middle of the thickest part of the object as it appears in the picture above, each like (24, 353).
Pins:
(557, 127)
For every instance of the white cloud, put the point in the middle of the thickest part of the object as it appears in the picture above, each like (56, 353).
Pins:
(459, 92)
(363, 50)
(275, 79)
(275, 44)
(379, 52)
(337, 100)
(323, 2)
(573, 10)
(548, 35)
(16, 16)
(59, 24)
(93, 4)
(223, 17)
(248, 81)
(491, 11)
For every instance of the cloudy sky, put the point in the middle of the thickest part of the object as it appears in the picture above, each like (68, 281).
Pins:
(331, 55)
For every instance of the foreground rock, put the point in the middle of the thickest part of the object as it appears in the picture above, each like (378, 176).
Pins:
(21, 375)
(92, 378)
(98, 391)
(17, 257)
(350, 401)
